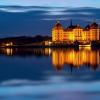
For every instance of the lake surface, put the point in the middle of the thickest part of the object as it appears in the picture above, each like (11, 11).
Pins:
(49, 74)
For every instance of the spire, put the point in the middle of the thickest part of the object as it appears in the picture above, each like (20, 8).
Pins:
(71, 22)
(58, 22)
(94, 25)
(94, 20)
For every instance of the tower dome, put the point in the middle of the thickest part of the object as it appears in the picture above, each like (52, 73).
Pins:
(58, 25)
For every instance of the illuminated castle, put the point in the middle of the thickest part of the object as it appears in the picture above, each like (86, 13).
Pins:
(75, 33)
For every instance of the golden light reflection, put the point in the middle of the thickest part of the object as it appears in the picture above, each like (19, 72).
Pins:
(86, 47)
(75, 58)
(25, 51)
(8, 51)
(47, 51)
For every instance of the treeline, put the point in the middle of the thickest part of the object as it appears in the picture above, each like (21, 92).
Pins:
(24, 39)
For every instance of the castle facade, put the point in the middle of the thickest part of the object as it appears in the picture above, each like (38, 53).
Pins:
(75, 33)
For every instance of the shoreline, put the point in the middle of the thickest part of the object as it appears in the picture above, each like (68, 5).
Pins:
(52, 46)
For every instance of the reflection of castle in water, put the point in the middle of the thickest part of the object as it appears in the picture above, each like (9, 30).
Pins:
(74, 58)
(60, 57)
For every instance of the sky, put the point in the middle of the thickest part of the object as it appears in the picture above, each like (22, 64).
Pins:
(55, 3)
(27, 20)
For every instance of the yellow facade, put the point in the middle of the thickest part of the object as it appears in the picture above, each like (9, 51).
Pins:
(75, 33)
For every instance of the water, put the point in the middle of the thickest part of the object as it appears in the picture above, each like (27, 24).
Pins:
(49, 74)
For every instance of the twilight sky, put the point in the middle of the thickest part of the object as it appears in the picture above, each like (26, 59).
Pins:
(58, 3)
(30, 17)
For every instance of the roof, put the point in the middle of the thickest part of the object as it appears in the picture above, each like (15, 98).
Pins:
(58, 25)
(71, 27)
(94, 25)
(87, 27)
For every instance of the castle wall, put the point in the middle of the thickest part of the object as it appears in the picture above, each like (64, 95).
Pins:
(76, 34)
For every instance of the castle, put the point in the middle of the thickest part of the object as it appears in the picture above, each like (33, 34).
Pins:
(75, 33)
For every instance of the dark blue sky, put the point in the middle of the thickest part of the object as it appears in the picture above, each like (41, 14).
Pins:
(30, 20)
(29, 17)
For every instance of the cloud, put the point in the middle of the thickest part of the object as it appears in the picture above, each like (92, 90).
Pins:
(34, 17)
(48, 10)
(53, 3)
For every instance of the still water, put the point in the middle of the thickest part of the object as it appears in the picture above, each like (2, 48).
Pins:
(49, 74)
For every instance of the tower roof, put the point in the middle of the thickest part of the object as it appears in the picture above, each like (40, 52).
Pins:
(94, 25)
(58, 25)
(87, 27)
(71, 27)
